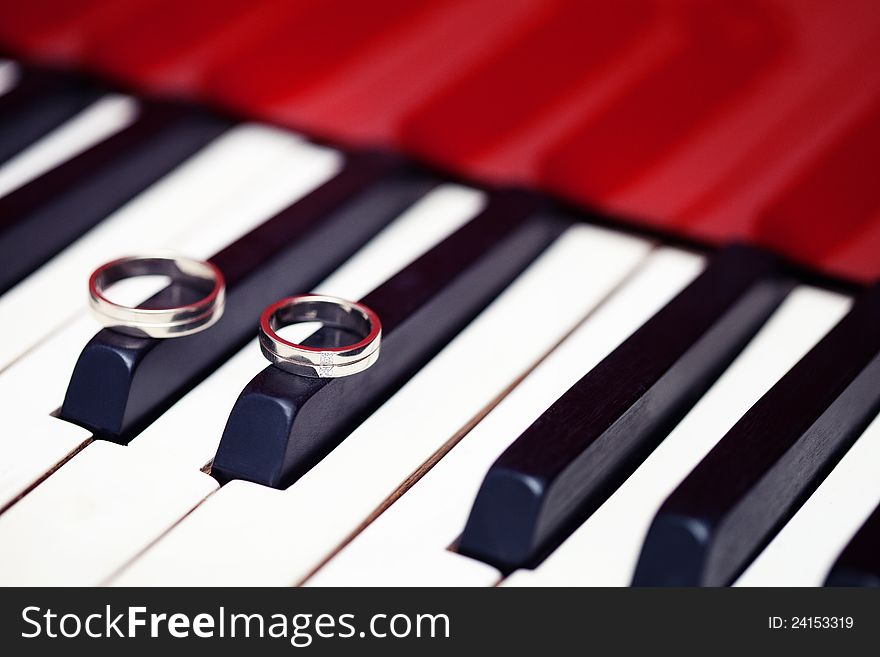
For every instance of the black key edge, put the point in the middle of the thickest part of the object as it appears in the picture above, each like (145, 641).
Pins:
(859, 562)
(40, 102)
(282, 425)
(531, 499)
(120, 383)
(44, 216)
(727, 510)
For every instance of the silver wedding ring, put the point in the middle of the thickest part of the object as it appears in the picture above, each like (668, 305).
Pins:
(171, 322)
(321, 362)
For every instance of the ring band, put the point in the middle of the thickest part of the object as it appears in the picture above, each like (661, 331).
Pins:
(320, 362)
(169, 322)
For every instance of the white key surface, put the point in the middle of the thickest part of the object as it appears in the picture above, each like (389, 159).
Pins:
(9, 73)
(802, 553)
(342, 491)
(38, 380)
(408, 543)
(425, 224)
(140, 491)
(31, 446)
(235, 168)
(90, 511)
(102, 119)
(605, 549)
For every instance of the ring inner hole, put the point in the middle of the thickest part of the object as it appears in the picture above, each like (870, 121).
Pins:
(320, 325)
(134, 291)
(153, 284)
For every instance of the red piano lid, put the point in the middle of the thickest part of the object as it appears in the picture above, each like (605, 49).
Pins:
(745, 119)
(166, 56)
(58, 31)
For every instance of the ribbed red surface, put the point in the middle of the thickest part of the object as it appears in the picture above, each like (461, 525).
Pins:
(721, 120)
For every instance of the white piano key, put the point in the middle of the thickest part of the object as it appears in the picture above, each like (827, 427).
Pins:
(804, 550)
(425, 224)
(166, 458)
(9, 73)
(605, 549)
(415, 532)
(31, 441)
(100, 491)
(102, 119)
(447, 568)
(438, 404)
(266, 191)
(38, 379)
(191, 198)
(31, 446)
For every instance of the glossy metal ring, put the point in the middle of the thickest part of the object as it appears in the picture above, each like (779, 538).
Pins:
(170, 322)
(321, 362)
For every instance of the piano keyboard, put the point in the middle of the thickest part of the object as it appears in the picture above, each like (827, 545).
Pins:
(558, 402)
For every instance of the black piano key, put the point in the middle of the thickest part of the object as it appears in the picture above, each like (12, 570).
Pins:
(122, 383)
(40, 102)
(859, 563)
(571, 458)
(42, 217)
(282, 424)
(730, 506)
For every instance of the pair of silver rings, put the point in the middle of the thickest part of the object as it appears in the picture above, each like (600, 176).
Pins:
(207, 281)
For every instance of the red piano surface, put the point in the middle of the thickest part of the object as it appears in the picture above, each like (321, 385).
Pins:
(715, 120)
